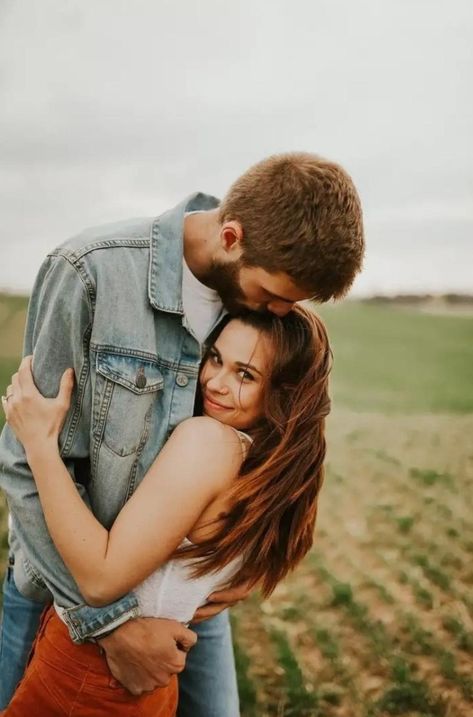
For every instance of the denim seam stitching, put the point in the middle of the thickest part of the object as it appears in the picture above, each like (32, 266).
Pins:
(182, 367)
(99, 430)
(119, 351)
(35, 577)
(84, 375)
(82, 635)
(144, 437)
(152, 284)
(76, 255)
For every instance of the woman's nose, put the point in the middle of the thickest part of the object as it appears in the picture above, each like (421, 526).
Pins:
(217, 383)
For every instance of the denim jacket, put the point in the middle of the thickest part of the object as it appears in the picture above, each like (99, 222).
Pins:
(107, 303)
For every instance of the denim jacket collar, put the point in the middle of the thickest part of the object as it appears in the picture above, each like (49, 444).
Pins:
(165, 292)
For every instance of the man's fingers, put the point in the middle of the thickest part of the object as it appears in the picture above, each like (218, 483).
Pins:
(185, 639)
(136, 685)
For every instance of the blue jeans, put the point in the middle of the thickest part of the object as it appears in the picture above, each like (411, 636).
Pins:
(19, 625)
(207, 687)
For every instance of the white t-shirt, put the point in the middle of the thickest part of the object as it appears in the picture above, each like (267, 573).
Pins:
(202, 306)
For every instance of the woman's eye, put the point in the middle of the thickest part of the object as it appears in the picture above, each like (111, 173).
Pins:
(214, 357)
(246, 375)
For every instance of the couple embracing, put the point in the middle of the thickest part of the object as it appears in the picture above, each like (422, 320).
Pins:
(166, 458)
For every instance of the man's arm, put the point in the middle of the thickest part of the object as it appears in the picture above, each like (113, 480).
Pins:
(58, 328)
(142, 653)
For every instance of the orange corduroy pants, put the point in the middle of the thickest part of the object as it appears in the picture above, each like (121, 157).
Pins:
(63, 678)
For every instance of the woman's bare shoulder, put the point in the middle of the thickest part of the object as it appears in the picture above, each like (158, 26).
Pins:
(206, 431)
(209, 440)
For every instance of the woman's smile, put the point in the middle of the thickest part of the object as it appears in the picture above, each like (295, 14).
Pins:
(214, 404)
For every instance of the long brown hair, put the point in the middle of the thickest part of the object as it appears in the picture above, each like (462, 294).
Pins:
(274, 500)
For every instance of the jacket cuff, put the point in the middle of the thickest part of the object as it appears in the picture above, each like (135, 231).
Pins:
(86, 623)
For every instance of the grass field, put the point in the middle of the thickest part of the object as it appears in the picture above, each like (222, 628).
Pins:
(379, 618)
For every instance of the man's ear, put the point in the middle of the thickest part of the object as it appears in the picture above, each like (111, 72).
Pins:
(231, 235)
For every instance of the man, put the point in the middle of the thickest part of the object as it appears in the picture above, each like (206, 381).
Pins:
(128, 306)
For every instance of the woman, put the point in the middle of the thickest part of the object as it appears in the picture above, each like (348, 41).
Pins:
(231, 498)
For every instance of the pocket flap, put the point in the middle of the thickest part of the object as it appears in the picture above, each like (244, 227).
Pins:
(137, 374)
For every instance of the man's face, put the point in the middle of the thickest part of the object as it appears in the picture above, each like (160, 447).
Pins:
(243, 287)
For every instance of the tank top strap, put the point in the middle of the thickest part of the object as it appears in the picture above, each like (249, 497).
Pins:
(245, 440)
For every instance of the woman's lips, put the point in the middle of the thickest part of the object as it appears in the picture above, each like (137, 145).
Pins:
(213, 404)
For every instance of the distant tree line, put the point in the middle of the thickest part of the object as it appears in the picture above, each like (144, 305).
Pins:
(453, 299)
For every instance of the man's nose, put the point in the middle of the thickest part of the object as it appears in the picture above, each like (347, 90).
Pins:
(280, 308)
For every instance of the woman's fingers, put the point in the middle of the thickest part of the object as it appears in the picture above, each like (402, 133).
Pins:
(65, 387)
(15, 383)
(230, 595)
(25, 374)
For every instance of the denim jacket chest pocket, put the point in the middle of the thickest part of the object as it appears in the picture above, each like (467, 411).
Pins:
(125, 390)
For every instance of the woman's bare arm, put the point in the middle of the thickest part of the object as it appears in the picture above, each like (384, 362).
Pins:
(196, 464)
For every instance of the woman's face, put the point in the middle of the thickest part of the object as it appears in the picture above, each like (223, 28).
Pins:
(232, 377)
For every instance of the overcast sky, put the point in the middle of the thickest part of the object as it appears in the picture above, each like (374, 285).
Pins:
(112, 109)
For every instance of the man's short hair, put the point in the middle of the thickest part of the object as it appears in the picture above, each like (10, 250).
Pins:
(300, 214)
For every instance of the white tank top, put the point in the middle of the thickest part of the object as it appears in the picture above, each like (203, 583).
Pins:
(172, 593)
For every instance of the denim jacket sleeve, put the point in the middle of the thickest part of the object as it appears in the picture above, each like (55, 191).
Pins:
(59, 323)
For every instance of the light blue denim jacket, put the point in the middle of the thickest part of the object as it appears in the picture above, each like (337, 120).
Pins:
(108, 303)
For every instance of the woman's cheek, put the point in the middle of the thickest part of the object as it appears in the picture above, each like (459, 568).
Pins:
(204, 377)
(248, 398)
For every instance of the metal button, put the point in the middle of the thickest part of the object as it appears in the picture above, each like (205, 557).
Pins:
(182, 380)
(140, 380)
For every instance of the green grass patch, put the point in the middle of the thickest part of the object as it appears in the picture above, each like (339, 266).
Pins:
(327, 644)
(391, 359)
(299, 700)
(411, 696)
(405, 523)
(463, 637)
(385, 457)
(435, 575)
(429, 477)
(416, 640)
(342, 594)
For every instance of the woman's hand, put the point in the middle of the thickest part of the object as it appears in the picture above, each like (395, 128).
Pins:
(35, 419)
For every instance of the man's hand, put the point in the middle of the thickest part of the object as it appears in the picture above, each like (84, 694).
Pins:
(143, 653)
(218, 601)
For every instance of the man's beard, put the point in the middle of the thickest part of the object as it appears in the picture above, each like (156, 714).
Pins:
(225, 279)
